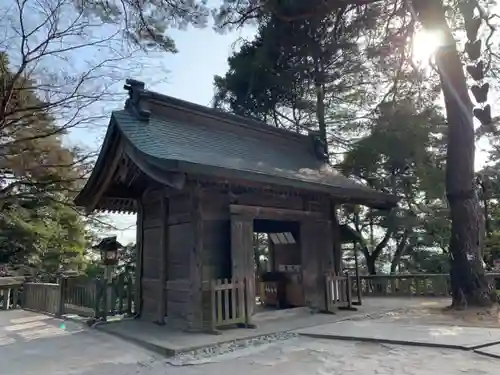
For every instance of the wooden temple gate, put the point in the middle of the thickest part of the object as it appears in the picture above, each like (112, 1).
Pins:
(198, 180)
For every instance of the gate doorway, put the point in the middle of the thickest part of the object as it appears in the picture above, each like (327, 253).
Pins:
(279, 284)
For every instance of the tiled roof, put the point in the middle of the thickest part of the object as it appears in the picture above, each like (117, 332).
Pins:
(260, 158)
(162, 134)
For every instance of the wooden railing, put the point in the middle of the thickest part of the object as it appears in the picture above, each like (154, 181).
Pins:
(74, 295)
(407, 285)
(9, 292)
(228, 304)
(79, 296)
(42, 297)
(356, 290)
(121, 294)
(97, 298)
(338, 292)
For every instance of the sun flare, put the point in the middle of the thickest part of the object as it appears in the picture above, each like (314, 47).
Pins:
(424, 45)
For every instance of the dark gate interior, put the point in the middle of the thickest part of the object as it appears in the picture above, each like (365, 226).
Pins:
(280, 285)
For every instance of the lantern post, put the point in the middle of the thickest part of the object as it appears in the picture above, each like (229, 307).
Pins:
(109, 249)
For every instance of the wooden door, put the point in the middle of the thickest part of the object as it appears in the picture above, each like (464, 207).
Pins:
(242, 255)
(317, 258)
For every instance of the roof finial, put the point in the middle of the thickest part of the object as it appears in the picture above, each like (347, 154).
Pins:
(136, 92)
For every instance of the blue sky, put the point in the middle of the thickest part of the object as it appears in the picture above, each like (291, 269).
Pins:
(186, 75)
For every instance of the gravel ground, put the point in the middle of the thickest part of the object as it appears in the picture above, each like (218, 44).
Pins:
(40, 345)
(205, 355)
(299, 356)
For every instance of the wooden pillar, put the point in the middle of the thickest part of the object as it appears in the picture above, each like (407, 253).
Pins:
(195, 319)
(162, 289)
(358, 278)
(317, 258)
(242, 255)
(337, 241)
(138, 260)
(271, 254)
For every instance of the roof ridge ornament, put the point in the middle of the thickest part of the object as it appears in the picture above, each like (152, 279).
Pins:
(136, 92)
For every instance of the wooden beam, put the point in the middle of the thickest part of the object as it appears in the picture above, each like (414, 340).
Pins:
(237, 186)
(270, 213)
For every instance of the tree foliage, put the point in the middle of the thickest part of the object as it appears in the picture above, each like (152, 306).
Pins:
(411, 170)
(147, 23)
(58, 65)
(38, 175)
(299, 75)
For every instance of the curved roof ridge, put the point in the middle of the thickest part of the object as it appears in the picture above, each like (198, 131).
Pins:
(138, 92)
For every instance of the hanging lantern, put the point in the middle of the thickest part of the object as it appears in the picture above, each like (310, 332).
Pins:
(108, 248)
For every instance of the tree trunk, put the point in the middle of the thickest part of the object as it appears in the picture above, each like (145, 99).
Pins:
(396, 259)
(372, 257)
(469, 285)
(370, 264)
(400, 250)
(320, 100)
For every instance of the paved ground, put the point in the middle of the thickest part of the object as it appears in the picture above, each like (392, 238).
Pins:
(432, 313)
(314, 356)
(163, 339)
(396, 333)
(36, 344)
(492, 351)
